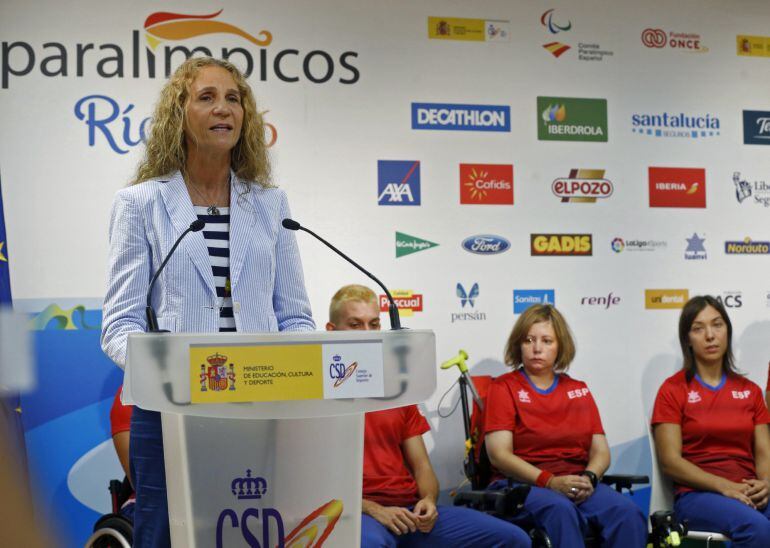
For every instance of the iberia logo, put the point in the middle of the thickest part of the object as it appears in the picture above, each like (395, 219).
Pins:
(163, 25)
(486, 184)
(677, 187)
(217, 377)
(406, 300)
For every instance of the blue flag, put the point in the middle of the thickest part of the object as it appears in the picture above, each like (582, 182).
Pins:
(5, 278)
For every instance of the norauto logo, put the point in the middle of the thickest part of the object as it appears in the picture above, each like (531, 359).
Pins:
(160, 56)
(561, 244)
(407, 301)
(582, 185)
(677, 187)
(486, 184)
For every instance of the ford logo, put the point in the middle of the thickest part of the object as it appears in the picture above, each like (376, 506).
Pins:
(486, 244)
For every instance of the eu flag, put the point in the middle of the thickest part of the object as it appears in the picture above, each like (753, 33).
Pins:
(5, 279)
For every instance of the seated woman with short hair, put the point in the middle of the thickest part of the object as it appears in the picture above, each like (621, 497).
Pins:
(543, 428)
(711, 432)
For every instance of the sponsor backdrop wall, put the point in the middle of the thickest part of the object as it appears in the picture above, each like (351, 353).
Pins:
(606, 157)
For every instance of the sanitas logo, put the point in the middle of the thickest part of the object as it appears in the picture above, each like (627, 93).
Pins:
(758, 190)
(747, 247)
(485, 244)
(406, 300)
(406, 244)
(756, 127)
(474, 30)
(683, 41)
(561, 244)
(524, 298)
(111, 60)
(486, 184)
(665, 298)
(467, 297)
(398, 182)
(461, 117)
(677, 187)
(571, 119)
(582, 185)
(675, 125)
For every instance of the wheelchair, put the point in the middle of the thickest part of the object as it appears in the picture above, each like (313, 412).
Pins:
(116, 529)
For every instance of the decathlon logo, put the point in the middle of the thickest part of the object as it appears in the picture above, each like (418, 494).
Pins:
(461, 117)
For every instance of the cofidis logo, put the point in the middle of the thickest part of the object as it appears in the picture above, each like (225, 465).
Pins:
(665, 298)
(159, 55)
(524, 298)
(461, 117)
(582, 185)
(747, 247)
(485, 244)
(676, 125)
(398, 182)
(561, 244)
(571, 119)
(407, 301)
(756, 127)
(677, 187)
(486, 184)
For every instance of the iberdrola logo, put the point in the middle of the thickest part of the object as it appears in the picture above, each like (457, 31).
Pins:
(164, 25)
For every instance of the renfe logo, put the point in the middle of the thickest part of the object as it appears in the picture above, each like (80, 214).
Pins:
(398, 182)
(461, 117)
(582, 185)
(524, 298)
(485, 244)
(486, 184)
(677, 187)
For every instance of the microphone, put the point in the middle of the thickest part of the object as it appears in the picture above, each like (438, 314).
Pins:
(395, 319)
(152, 320)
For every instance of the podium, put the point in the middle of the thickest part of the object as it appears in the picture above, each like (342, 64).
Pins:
(263, 433)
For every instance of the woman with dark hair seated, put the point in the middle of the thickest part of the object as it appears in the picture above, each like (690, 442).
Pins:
(543, 428)
(711, 432)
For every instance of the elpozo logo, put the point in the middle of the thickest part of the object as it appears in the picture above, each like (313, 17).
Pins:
(665, 298)
(111, 60)
(571, 119)
(677, 187)
(485, 244)
(407, 301)
(486, 184)
(747, 247)
(550, 245)
(459, 117)
(473, 30)
(676, 125)
(582, 185)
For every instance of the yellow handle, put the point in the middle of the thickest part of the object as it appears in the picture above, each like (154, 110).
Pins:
(458, 360)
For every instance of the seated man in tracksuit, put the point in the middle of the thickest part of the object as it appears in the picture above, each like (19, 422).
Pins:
(400, 488)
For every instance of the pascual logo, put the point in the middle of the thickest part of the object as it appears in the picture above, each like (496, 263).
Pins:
(475, 30)
(758, 190)
(486, 244)
(524, 298)
(467, 297)
(603, 301)
(561, 244)
(461, 117)
(675, 125)
(683, 41)
(398, 182)
(665, 298)
(753, 46)
(731, 299)
(109, 60)
(486, 184)
(582, 185)
(618, 245)
(677, 187)
(406, 244)
(571, 119)
(406, 300)
(756, 127)
(747, 247)
(695, 249)
(588, 50)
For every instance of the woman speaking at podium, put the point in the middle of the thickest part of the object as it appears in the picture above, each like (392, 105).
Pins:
(205, 159)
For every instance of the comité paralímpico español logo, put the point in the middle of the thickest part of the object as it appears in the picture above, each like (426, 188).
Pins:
(161, 55)
(217, 377)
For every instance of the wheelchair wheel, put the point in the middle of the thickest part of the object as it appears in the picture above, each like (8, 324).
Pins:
(112, 531)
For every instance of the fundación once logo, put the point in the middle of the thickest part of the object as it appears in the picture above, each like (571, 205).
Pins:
(665, 298)
(695, 249)
(756, 127)
(407, 244)
(467, 297)
(759, 191)
(407, 301)
(398, 182)
(485, 244)
(486, 184)
(582, 185)
(551, 245)
(571, 119)
(676, 125)
(656, 38)
(677, 187)
(524, 298)
(746, 247)
(473, 30)
(461, 117)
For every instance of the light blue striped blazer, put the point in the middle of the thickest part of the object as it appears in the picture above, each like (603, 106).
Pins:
(266, 279)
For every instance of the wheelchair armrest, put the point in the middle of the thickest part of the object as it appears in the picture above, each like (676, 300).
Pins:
(624, 481)
(504, 503)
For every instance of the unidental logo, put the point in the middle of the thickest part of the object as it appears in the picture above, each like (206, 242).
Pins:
(665, 298)
(759, 190)
(695, 249)
(675, 125)
(747, 247)
(571, 119)
(406, 244)
(756, 127)
(582, 185)
(486, 244)
(460, 117)
(524, 298)
(113, 60)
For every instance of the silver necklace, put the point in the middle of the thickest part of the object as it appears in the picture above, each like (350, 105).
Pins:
(212, 209)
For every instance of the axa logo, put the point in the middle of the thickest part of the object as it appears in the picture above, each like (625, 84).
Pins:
(398, 182)
(485, 244)
(170, 39)
(486, 184)
(582, 185)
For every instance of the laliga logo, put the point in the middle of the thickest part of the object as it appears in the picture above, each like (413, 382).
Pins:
(339, 372)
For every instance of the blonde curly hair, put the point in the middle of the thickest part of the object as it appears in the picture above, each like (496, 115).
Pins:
(166, 151)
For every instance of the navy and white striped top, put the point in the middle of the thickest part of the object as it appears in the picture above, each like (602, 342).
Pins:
(217, 236)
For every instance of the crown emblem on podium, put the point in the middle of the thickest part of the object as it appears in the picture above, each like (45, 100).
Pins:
(217, 359)
(337, 358)
(248, 487)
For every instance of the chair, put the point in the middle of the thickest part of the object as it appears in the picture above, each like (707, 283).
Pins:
(114, 530)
